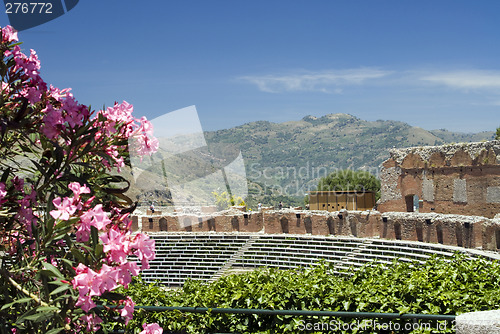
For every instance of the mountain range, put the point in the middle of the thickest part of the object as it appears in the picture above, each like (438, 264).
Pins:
(285, 160)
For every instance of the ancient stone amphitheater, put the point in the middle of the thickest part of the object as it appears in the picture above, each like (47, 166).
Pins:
(458, 195)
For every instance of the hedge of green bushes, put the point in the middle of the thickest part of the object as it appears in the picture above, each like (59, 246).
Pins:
(438, 286)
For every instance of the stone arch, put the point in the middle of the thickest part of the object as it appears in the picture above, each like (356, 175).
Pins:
(437, 159)
(486, 157)
(461, 158)
(413, 161)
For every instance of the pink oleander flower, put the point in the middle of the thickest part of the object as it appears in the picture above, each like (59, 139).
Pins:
(96, 217)
(25, 213)
(106, 279)
(143, 140)
(65, 208)
(9, 34)
(116, 245)
(78, 189)
(126, 271)
(153, 328)
(33, 94)
(84, 283)
(52, 122)
(18, 183)
(57, 93)
(89, 283)
(5, 87)
(118, 114)
(92, 322)
(3, 193)
(128, 310)
(145, 145)
(144, 249)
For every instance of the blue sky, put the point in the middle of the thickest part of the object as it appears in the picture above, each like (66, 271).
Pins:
(433, 64)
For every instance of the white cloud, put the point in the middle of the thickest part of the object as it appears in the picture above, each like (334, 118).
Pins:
(325, 81)
(466, 79)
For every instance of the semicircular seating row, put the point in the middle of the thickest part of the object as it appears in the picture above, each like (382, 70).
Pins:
(207, 256)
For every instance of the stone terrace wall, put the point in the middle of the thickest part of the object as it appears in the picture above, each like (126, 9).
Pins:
(453, 230)
(230, 222)
(454, 179)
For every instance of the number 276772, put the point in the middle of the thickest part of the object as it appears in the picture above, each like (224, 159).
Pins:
(28, 8)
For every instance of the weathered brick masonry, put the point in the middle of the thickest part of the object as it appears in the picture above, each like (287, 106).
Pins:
(455, 179)
(240, 222)
(454, 230)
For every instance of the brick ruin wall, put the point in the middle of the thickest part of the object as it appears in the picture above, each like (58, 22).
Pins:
(455, 230)
(453, 179)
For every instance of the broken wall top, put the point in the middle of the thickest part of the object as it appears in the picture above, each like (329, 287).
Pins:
(461, 154)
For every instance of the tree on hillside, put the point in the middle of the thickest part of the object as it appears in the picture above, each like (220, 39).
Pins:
(349, 180)
(497, 136)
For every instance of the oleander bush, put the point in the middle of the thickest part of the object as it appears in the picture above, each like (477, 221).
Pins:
(65, 237)
(438, 286)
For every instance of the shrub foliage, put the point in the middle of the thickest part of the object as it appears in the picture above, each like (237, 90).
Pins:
(438, 286)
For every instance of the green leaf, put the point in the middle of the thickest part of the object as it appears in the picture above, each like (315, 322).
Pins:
(39, 317)
(55, 331)
(47, 308)
(19, 301)
(53, 270)
(60, 289)
(78, 255)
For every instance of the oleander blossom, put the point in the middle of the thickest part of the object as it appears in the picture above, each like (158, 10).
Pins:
(153, 328)
(3, 193)
(127, 312)
(9, 34)
(92, 322)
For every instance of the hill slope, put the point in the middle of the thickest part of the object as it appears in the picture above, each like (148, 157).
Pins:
(289, 157)
(285, 160)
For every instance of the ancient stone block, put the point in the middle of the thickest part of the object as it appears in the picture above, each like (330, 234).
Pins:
(493, 195)
(428, 190)
(460, 191)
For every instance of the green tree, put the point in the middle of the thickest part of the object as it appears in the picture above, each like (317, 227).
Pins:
(349, 180)
(497, 136)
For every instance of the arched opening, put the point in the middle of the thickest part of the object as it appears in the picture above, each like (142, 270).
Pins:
(235, 224)
(308, 224)
(284, 225)
(397, 231)
(420, 231)
(211, 224)
(439, 233)
(331, 225)
(163, 224)
(412, 203)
